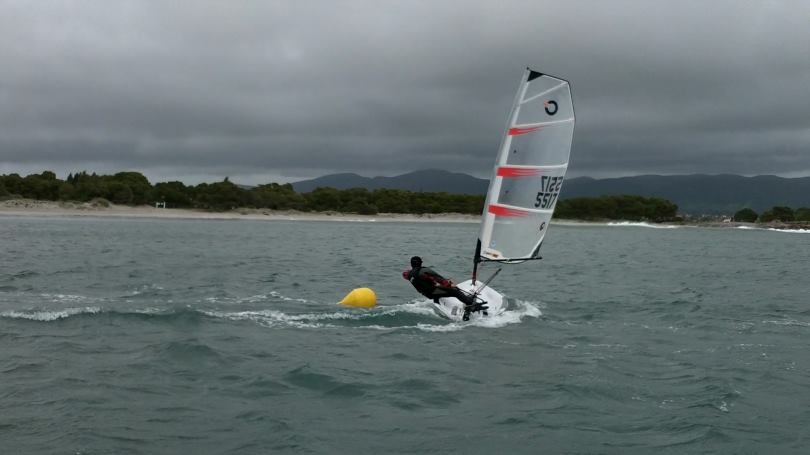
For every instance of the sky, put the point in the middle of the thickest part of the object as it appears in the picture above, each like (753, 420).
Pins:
(270, 91)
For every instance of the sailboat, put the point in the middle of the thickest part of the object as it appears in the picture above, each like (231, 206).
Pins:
(524, 187)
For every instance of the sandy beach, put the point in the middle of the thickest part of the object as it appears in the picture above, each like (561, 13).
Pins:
(36, 208)
(31, 207)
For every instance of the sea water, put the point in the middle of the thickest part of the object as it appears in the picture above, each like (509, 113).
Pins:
(149, 336)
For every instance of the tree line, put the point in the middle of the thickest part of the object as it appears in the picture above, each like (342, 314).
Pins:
(622, 207)
(133, 188)
(778, 213)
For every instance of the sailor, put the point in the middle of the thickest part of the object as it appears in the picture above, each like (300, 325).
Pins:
(434, 286)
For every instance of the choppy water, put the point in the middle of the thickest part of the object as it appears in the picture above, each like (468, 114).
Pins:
(182, 336)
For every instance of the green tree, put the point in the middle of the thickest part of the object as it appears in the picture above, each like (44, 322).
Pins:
(777, 214)
(625, 207)
(66, 191)
(137, 183)
(119, 193)
(322, 199)
(222, 195)
(391, 201)
(13, 184)
(745, 215)
(88, 187)
(41, 186)
(802, 214)
(174, 194)
(277, 197)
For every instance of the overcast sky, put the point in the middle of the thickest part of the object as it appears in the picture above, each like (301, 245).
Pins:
(279, 91)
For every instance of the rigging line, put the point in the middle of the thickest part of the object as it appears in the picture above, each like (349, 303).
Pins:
(486, 283)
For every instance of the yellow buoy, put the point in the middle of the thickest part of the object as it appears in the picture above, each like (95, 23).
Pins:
(360, 298)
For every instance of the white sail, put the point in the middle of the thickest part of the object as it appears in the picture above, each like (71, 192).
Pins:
(529, 170)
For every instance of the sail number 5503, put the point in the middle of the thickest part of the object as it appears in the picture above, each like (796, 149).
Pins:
(549, 190)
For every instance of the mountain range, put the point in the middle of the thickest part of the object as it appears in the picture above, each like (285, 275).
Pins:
(694, 194)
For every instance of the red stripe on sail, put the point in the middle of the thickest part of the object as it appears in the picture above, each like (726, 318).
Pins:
(506, 171)
(500, 210)
(517, 131)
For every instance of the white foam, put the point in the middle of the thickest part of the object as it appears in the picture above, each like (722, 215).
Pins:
(788, 231)
(274, 317)
(642, 224)
(791, 231)
(258, 298)
(452, 327)
(69, 298)
(788, 322)
(49, 315)
(417, 306)
(514, 316)
(150, 310)
(231, 300)
(146, 288)
(287, 299)
(491, 322)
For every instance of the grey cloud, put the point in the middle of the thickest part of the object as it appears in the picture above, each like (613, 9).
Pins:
(305, 88)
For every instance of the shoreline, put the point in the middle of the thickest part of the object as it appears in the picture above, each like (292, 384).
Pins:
(37, 208)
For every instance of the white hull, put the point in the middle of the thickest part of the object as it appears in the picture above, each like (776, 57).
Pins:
(451, 308)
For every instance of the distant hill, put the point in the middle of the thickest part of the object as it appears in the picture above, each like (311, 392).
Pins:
(430, 180)
(694, 194)
(699, 193)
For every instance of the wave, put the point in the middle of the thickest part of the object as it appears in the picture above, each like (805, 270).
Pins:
(46, 316)
(42, 315)
(521, 309)
(642, 224)
(415, 315)
(258, 298)
(382, 318)
(789, 231)
(70, 298)
(792, 322)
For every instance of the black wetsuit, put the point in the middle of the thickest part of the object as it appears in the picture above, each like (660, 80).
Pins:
(434, 286)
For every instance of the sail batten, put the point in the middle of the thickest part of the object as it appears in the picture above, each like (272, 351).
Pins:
(530, 169)
(499, 207)
(555, 122)
(534, 97)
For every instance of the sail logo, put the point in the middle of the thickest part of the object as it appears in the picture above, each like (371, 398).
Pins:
(549, 191)
(551, 107)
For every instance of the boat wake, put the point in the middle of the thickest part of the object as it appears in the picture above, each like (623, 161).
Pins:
(415, 315)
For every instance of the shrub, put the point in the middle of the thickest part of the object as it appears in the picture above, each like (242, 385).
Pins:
(745, 215)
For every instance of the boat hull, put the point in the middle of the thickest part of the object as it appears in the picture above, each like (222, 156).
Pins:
(451, 308)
